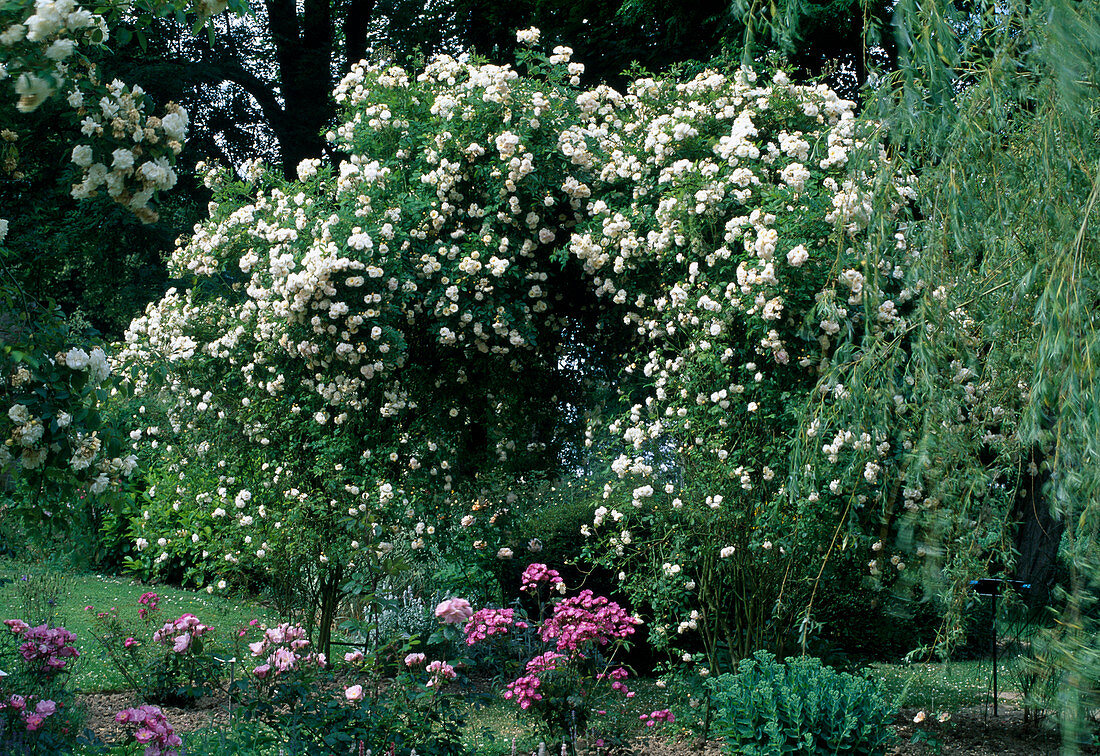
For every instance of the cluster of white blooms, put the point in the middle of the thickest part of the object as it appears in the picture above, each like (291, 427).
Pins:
(133, 172)
(43, 51)
(38, 42)
(32, 440)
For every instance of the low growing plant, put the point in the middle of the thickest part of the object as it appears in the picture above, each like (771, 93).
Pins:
(167, 662)
(798, 707)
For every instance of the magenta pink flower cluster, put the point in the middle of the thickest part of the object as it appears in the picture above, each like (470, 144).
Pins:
(47, 648)
(661, 715)
(617, 676)
(32, 716)
(181, 633)
(282, 646)
(538, 573)
(525, 689)
(488, 622)
(587, 618)
(575, 626)
(148, 603)
(153, 731)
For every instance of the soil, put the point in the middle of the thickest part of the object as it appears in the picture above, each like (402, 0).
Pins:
(969, 732)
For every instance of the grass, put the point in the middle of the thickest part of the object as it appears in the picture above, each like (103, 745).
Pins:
(31, 589)
(946, 686)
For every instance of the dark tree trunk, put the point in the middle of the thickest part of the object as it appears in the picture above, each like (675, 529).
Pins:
(303, 53)
(1038, 533)
(355, 29)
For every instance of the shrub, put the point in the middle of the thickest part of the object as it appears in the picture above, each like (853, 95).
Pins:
(38, 714)
(800, 706)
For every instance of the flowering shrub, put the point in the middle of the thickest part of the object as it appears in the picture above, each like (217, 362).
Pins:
(45, 650)
(182, 634)
(294, 692)
(184, 671)
(33, 713)
(536, 574)
(148, 603)
(36, 713)
(281, 648)
(565, 685)
(153, 730)
(434, 308)
(487, 622)
(169, 664)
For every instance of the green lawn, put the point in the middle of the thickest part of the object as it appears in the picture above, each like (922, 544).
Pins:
(30, 589)
(946, 686)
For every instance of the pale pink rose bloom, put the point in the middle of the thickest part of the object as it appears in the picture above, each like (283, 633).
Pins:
(413, 660)
(285, 659)
(353, 656)
(354, 693)
(454, 610)
(262, 670)
(183, 642)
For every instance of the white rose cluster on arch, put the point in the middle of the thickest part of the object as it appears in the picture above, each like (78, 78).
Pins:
(714, 216)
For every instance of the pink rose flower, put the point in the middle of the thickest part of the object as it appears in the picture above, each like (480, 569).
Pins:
(182, 643)
(353, 656)
(413, 660)
(17, 626)
(454, 610)
(354, 693)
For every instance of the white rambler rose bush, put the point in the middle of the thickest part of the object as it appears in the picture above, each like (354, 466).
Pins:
(355, 348)
(386, 328)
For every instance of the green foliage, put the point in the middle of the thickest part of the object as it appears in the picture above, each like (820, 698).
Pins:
(798, 706)
(309, 707)
(39, 592)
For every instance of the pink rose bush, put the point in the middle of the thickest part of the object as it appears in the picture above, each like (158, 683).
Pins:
(47, 650)
(485, 623)
(585, 619)
(153, 730)
(180, 634)
(148, 603)
(567, 682)
(33, 713)
(538, 574)
(283, 649)
(439, 672)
